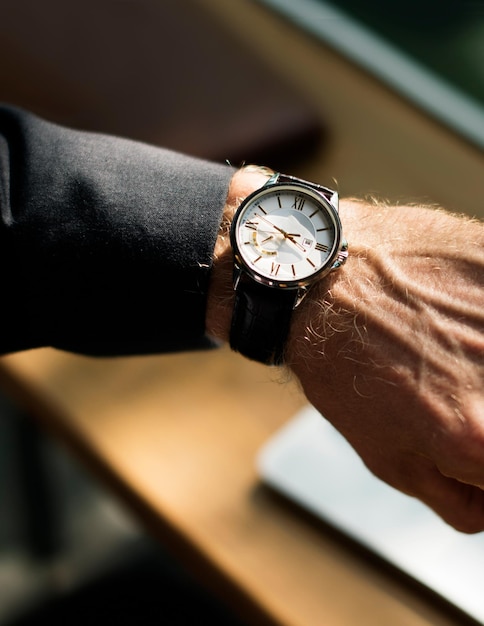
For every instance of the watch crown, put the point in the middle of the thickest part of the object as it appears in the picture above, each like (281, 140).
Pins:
(342, 256)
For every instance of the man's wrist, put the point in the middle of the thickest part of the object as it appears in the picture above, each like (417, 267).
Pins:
(221, 293)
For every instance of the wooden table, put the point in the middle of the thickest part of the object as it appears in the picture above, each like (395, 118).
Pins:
(176, 436)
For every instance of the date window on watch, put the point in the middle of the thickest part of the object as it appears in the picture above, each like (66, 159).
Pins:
(307, 243)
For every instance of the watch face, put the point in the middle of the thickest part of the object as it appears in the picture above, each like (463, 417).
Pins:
(285, 234)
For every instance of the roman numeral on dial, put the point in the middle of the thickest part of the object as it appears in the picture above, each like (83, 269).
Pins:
(275, 269)
(298, 203)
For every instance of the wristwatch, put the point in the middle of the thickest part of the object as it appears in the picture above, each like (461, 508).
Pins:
(285, 236)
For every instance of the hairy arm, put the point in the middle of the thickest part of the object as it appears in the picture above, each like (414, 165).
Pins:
(390, 349)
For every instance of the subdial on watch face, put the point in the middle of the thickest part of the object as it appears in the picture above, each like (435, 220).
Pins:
(266, 243)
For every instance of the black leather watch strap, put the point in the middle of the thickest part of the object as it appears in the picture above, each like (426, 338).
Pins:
(261, 321)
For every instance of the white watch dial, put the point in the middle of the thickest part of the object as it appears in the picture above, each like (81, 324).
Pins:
(285, 234)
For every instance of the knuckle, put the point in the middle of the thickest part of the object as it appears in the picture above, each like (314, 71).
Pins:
(462, 456)
(469, 520)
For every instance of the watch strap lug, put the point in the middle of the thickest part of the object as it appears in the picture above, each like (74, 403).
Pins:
(329, 194)
(301, 294)
(237, 275)
(342, 256)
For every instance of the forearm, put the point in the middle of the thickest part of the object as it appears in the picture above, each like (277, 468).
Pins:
(221, 292)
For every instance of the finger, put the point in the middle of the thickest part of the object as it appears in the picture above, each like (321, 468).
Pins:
(459, 504)
(461, 455)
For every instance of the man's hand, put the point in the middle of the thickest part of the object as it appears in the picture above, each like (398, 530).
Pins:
(390, 348)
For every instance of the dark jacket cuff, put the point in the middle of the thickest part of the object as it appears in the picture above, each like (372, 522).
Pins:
(105, 243)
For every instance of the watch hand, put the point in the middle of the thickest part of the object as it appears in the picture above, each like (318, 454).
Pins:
(273, 225)
(280, 230)
(289, 236)
(296, 243)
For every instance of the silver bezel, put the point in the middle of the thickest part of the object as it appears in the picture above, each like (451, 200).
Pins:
(331, 211)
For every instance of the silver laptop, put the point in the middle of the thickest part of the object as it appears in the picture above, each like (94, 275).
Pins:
(312, 464)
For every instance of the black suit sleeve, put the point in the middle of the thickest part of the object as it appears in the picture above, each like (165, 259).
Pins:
(105, 243)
